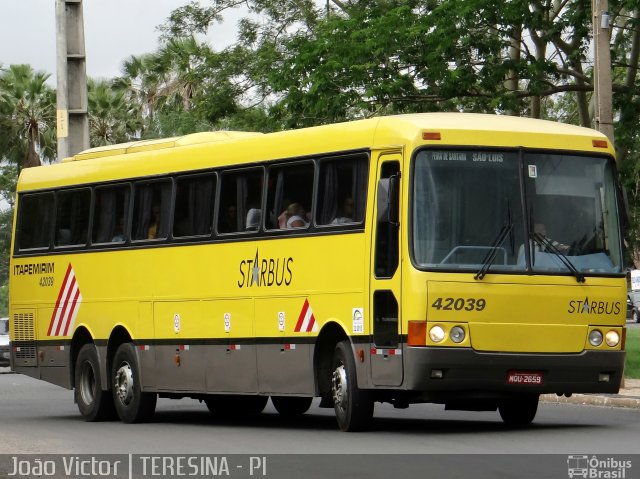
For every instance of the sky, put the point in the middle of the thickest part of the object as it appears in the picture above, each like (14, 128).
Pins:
(114, 30)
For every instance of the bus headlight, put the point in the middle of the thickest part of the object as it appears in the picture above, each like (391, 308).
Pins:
(457, 334)
(595, 338)
(437, 334)
(612, 338)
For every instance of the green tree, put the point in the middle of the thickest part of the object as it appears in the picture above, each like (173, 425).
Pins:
(112, 119)
(28, 116)
(303, 63)
(27, 137)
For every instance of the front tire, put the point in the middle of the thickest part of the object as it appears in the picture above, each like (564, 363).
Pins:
(520, 411)
(132, 405)
(291, 406)
(353, 406)
(635, 317)
(94, 403)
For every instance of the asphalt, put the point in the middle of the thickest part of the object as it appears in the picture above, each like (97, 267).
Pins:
(627, 397)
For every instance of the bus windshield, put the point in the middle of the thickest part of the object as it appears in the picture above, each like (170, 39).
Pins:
(480, 209)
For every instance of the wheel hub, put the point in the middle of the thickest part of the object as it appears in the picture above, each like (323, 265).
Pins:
(339, 387)
(124, 383)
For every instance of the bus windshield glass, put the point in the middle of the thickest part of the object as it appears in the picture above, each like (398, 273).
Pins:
(468, 212)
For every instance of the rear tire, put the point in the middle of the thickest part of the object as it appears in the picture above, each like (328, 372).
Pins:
(291, 406)
(236, 405)
(132, 405)
(635, 317)
(353, 406)
(519, 411)
(94, 403)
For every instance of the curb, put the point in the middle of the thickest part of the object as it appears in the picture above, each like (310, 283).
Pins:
(594, 400)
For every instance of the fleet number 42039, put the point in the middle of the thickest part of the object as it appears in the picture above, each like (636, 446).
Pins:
(459, 304)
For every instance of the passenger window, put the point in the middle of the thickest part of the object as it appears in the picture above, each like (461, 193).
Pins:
(289, 196)
(342, 191)
(193, 214)
(151, 208)
(36, 216)
(72, 217)
(111, 214)
(240, 201)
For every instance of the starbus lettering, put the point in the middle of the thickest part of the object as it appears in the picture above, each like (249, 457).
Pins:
(585, 306)
(265, 271)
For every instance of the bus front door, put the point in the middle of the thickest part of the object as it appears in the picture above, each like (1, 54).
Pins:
(386, 349)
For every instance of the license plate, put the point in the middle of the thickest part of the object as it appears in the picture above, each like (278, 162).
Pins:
(525, 378)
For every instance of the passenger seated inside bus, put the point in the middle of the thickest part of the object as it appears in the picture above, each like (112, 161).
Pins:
(296, 216)
(229, 223)
(154, 222)
(345, 213)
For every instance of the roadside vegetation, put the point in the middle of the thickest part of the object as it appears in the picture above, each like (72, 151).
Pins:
(632, 364)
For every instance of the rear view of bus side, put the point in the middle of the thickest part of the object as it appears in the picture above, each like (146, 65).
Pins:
(469, 260)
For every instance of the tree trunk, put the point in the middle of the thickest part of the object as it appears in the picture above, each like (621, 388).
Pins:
(582, 102)
(32, 159)
(512, 83)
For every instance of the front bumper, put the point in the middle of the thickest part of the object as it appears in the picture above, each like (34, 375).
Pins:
(466, 370)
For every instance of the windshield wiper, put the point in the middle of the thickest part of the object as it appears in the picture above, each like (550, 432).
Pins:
(493, 252)
(561, 256)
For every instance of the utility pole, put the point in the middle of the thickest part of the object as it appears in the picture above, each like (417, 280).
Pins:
(72, 104)
(602, 84)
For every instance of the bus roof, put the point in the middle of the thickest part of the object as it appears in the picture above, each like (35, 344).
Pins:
(223, 148)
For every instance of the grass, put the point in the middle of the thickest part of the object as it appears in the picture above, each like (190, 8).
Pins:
(632, 364)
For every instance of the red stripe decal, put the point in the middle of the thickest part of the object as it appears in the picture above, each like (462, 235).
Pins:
(303, 313)
(312, 321)
(66, 304)
(53, 316)
(69, 317)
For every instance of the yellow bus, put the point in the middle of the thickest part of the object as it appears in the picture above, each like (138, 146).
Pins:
(469, 260)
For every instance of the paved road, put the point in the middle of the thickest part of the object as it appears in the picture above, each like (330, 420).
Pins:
(36, 417)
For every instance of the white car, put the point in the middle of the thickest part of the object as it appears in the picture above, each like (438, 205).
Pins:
(5, 352)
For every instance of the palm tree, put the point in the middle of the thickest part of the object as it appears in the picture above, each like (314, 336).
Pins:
(180, 61)
(140, 83)
(112, 119)
(27, 115)
(166, 86)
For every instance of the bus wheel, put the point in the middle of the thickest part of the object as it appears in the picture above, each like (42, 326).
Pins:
(520, 411)
(353, 406)
(236, 405)
(94, 403)
(132, 405)
(291, 406)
